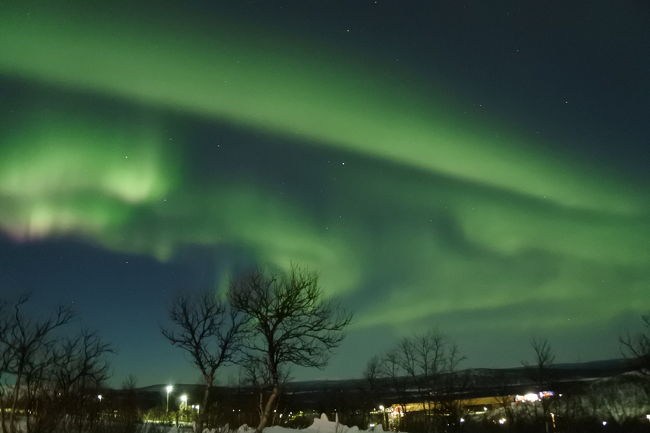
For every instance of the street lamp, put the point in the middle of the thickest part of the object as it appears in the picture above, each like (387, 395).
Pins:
(169, 389)
(384, 416)
(184, 401)
(100, 398)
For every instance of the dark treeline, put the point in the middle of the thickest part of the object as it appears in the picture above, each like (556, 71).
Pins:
(52, 379)
(50, 375)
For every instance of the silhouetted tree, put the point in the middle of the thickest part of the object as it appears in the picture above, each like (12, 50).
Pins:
(288, 323)
(636, 347)
(371, 375)
(541, 372)
(80, 367)
(254, 373)
(53, 380)
(430, 359)
(210, 332)
(5, 359)
(391, 370)
(129, 405)
(27, 347)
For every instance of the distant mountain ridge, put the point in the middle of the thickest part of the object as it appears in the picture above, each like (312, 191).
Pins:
(576, 370)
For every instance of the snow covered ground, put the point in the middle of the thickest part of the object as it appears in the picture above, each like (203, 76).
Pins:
(320, 425)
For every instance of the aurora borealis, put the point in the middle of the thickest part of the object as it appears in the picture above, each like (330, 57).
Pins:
(483, 170)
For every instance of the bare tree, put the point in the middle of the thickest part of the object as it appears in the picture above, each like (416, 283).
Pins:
(128, 406)
(371, 372)
(390, 369)
(80, 370)
(371, 376)
(52, 380)
(541, 372)
(81, 362)
(5, 359)
(543, 361)
(636, 347)
(256, 375)
(430, 360)
(289, 323)
(26, 345)
(207, 330)
(130, 383)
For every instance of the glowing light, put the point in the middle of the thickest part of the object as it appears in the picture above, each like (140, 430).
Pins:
(531, 397)
(546, 394)
(277, 93)
(168, 389)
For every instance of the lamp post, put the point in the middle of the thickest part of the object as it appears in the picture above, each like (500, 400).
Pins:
(100, 398)
(169, 389)
(384, 416)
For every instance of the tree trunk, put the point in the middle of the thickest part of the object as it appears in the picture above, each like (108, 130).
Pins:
(275, 411)
(260, 405)
(14, 403)
(3, 416)
(80, 407)
(204, 407)
(28, 426)
(267, 408)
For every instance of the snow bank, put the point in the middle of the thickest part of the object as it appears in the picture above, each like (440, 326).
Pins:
(320, 425)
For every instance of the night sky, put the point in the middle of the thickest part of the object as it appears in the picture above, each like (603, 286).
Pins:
(481, 168)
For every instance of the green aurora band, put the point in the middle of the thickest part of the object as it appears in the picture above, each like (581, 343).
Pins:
(266, 84)
(460, 217)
